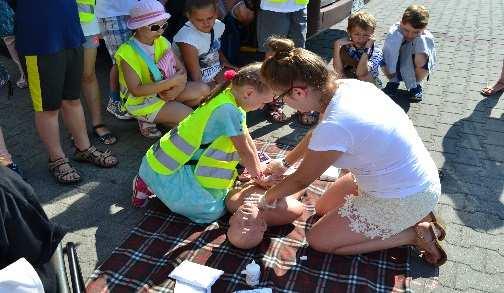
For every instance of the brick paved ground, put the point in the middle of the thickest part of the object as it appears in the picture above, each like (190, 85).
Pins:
(463, 131)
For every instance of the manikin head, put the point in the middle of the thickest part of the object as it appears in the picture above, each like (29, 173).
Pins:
(246, 227)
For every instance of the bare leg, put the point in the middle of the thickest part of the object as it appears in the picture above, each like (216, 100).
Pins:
(91, 90)
(420, 61)
(286, 211)
(193, 93)
(114, 79)
(347, 242)
(5, 156)
(47, 125)
(10, 42)
(335, 196)
(172, 113)
(367, 77)
(73, 116)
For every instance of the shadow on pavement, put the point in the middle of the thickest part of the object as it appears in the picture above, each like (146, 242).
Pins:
(322, 44)
(473, 179)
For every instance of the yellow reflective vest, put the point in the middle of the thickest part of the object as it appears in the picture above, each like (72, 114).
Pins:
(298, 2)
(126, 53)
(86, 10)
(216, 168)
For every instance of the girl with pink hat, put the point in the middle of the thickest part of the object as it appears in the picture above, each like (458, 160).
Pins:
(153, 81)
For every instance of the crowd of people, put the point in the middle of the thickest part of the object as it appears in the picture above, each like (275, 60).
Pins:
(193, 86)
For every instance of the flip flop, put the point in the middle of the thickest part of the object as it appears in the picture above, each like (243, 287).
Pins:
(489, 91)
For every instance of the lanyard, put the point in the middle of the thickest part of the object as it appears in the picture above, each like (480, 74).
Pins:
(154, 70)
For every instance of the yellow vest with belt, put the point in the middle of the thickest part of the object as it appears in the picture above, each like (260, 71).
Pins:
(126, 53)
(298, 2)
(86, 10)
(216, 168)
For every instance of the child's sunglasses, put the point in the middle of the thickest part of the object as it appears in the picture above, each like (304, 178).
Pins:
(157, 27)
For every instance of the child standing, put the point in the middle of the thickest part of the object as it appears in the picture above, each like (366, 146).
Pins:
(112, 16)
(192, 167)
(409, 52)
(90, 88)
(358, 57)
(152, 79)
(199, 42)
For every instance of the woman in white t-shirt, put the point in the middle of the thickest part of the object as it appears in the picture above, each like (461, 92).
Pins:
(198, 42)
(387, 199)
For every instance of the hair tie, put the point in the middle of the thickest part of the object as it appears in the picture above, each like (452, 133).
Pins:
(230, 74)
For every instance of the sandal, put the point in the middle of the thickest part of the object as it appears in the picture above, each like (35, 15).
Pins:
(149, 130)
(488, 91)
(92, 155)
(107, 138)
(439, 225)
(274, 111)
(422, 242)
(308, 118)
(63, 171)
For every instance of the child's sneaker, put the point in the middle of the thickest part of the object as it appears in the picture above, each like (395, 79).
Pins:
(391, 88)
(416, 94)
(141, 193)
(114, 108)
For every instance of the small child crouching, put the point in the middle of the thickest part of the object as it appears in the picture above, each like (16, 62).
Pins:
(409, 53)
(358, 57)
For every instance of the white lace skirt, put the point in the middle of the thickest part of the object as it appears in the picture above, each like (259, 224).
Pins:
(383, 217)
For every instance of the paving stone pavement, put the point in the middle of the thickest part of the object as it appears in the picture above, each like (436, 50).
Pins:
(463, 131)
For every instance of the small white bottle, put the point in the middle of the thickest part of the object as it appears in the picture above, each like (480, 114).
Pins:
(253, 273)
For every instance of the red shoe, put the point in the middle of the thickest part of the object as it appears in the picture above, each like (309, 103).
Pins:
(141, 193)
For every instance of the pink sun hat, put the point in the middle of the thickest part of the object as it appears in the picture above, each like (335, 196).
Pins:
(146, 12)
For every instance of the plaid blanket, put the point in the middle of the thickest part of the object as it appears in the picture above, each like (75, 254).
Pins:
(162, 240)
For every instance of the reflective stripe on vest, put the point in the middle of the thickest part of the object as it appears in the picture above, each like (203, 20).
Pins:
(222, 156)
(214, 172)
(298, 2)
(163, 158)
(86, 10)
(181, 143)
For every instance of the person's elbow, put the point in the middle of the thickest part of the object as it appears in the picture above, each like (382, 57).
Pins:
(135, 91)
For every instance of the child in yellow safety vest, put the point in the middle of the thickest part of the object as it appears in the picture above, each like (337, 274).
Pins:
(153, 81)
(192, 167)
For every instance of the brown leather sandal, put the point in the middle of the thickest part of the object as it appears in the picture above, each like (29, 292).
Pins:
(94, 156)
(427, 243)
(63, 171)
(439, 225)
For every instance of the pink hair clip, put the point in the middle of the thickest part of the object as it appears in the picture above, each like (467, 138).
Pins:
(230, 74)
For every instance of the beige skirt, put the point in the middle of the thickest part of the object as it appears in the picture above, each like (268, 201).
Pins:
(375, 217)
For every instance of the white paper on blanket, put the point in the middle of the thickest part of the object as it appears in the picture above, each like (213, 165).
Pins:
(181, 287)
(331, 174)
(258, 290)
(196, 275)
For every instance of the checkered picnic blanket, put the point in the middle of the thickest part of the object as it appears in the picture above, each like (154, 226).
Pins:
(162, 240)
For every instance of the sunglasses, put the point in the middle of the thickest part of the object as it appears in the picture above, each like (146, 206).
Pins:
(280, 98)
(157, 27)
